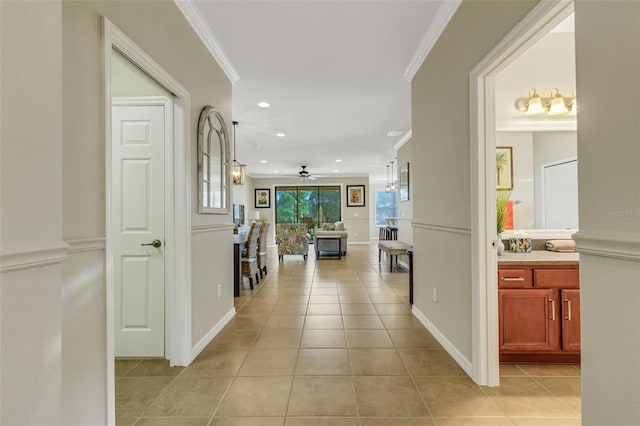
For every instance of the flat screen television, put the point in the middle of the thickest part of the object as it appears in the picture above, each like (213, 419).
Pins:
(238, 214)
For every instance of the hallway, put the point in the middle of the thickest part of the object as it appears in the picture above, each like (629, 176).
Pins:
(332, 343)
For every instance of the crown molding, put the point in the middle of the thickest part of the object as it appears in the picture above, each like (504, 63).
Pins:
(444, 14)
(406, 138)
(200, 26)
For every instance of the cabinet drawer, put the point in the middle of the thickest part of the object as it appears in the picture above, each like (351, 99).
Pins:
(514, 278)
(556, 278)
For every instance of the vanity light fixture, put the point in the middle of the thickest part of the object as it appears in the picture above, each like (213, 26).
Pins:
(555, 104)
(237, 169)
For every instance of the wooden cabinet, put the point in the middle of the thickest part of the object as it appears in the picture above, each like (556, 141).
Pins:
(539, 313)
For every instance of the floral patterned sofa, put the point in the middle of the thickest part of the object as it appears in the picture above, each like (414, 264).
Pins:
(334, 230)
(292, 238)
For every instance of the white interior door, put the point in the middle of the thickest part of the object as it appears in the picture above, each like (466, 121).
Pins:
(138, 206)
(560, 195)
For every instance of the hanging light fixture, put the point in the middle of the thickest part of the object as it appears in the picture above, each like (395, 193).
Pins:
(237, 169)
(394, 184)
(387, 186)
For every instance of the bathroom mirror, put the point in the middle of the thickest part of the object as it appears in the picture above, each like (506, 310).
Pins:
(213, 163)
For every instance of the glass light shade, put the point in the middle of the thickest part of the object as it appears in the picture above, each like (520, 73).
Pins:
(574, 107)
(557, 105)
(237, 173)
(535, 105)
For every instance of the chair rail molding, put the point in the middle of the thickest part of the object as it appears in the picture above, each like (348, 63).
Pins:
(78, 245)
(616, 245)
(32, 255)
(201, 229)
(441, 228)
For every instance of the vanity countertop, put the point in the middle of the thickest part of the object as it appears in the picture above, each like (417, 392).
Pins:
(539, 257)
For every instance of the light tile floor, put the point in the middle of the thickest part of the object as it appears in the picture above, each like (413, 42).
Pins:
(333, 343)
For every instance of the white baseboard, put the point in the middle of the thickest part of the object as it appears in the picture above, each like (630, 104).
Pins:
(207, 338)
(462, 361)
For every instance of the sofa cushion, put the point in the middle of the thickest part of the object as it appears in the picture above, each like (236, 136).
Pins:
(338, 226)
(328, 227)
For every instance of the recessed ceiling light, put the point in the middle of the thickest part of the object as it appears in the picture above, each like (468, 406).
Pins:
(339, 160)
(395, 132)
(335, 171)
(264, 104)
(275, 171)
(280, 135)
(263, 161)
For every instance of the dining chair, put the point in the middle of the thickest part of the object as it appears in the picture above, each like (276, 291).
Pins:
(250, 260)
(262, 248)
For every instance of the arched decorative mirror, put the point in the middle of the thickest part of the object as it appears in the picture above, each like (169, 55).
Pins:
(213, 163)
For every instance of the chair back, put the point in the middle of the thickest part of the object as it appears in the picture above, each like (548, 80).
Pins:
(262, 238)
(292, 238)
(252, 240)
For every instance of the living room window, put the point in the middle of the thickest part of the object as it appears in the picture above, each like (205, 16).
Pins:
(386, 206)
(308, 204)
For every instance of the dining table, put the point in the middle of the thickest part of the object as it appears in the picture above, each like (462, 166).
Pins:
(239, 244)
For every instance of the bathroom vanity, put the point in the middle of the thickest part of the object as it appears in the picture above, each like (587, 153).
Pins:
(539, 307)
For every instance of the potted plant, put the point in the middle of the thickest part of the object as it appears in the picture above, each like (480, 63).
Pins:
(502, 200)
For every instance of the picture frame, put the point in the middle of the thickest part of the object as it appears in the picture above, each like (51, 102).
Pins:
(404, 182)
(504, 168)
(262, 198)
(356, 196)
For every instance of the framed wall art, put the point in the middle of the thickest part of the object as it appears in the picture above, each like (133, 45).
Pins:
(263, 198)
(404, 182)
(356, 196)
(504, 168)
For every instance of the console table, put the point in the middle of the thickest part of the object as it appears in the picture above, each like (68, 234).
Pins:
(393, 248)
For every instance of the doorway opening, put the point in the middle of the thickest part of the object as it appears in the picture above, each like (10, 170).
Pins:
(483, 81)
(170, 101)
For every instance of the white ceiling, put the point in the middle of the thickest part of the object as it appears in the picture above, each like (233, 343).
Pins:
(333, 74)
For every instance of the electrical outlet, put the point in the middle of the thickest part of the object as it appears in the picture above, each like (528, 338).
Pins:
(219, 291)
(435, 295)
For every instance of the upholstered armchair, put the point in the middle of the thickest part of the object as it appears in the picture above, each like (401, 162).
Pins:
(334, 230)
(292, 238)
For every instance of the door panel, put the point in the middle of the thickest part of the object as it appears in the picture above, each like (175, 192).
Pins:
(527, 319)
(138, 148)
(571, 320)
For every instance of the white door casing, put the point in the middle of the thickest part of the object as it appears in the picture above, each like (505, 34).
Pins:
(139, 135)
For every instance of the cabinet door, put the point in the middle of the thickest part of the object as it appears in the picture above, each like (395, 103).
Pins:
(570, 320)
(528, 320)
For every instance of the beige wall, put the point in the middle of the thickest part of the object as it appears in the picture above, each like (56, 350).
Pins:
(356, 219)
(608, 61)
(405, 208)
(53, 189)
(442, 203)
(31, 246)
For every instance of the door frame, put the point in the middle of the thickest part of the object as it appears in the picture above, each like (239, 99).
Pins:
(484, 275)
(177, 210)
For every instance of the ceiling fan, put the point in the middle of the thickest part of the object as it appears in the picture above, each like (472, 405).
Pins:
(304, 174)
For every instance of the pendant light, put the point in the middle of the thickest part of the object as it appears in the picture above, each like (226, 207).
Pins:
(387, 186)
(394, 184)
(237, 169)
